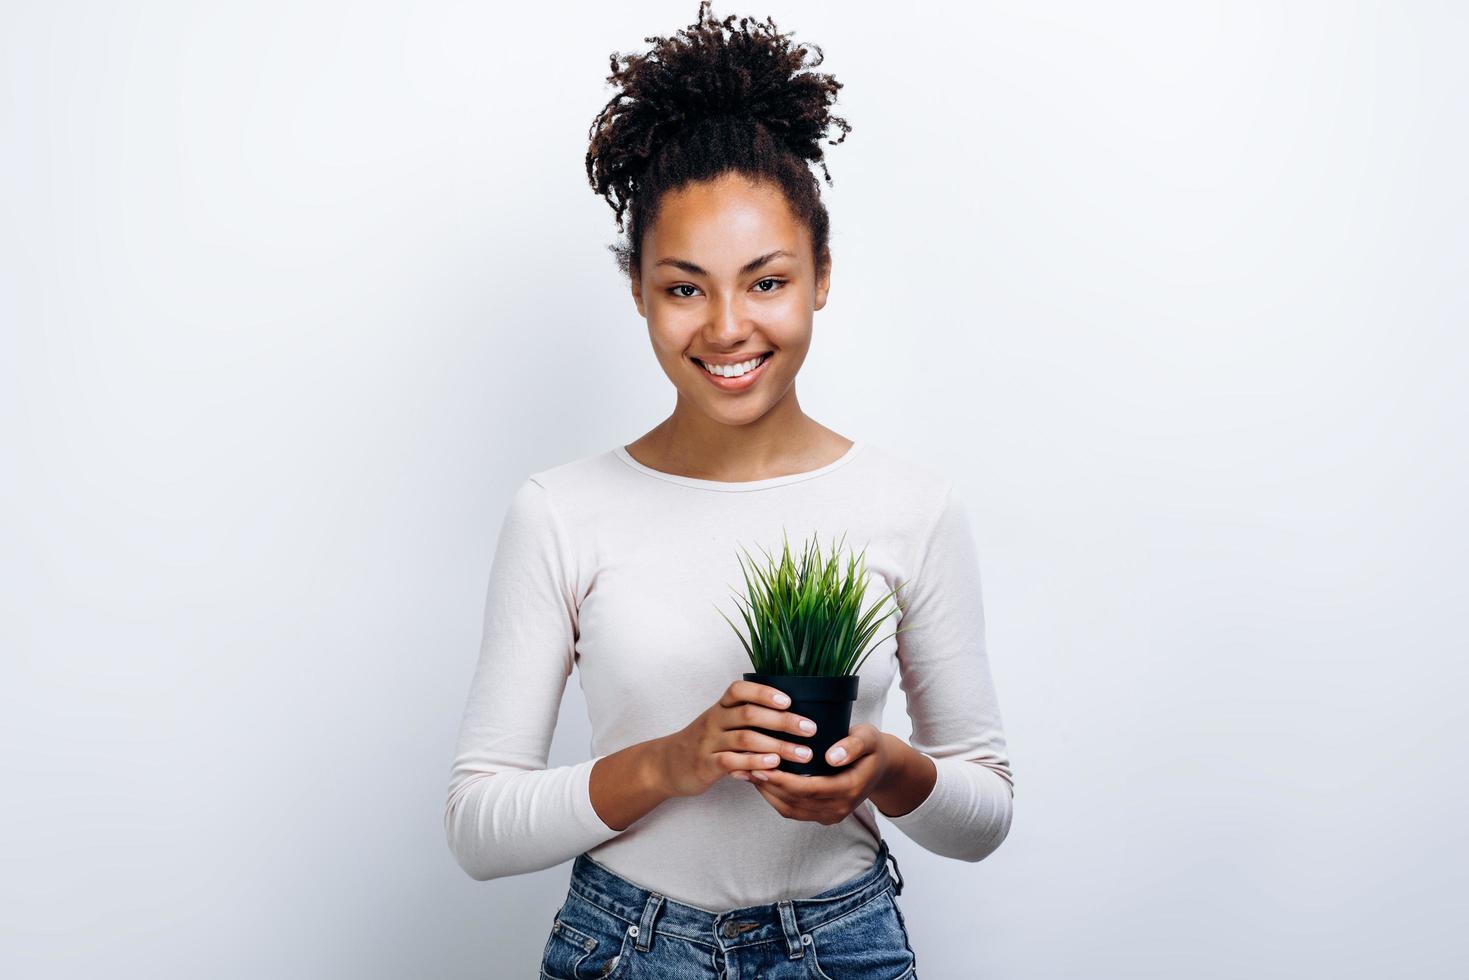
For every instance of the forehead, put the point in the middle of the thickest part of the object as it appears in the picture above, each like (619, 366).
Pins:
(725, 221)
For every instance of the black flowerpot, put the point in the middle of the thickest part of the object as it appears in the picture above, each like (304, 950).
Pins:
(826, 701)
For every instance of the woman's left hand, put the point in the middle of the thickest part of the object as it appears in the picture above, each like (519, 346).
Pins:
(828, 799)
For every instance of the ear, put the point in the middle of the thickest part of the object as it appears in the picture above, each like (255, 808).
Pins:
(823, 280)
(636, 283)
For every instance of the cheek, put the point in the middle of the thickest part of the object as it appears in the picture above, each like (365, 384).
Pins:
(793, 306)
(787, 321)
(670, 337)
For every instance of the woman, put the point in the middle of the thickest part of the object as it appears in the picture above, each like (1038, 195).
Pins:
(694, 856)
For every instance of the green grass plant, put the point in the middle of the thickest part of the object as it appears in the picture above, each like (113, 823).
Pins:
(804, 618)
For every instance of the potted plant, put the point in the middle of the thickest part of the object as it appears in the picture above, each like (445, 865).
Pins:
(808, 637)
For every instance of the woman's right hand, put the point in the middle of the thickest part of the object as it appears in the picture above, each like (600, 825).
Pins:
(720, 741)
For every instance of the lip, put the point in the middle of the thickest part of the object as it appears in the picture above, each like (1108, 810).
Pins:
(736, 384)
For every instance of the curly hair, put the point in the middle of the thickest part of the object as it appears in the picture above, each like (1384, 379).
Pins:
(710, 100)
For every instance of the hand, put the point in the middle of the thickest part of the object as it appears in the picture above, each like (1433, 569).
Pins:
(719, 742)
(829, 799)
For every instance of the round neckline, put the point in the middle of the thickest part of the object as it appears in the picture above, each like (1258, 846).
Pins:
(739, 485)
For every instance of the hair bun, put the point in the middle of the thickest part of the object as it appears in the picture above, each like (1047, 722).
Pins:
(718, 96)
(714, 70)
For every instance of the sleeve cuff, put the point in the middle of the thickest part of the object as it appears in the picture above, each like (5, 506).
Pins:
(931, 802)
(966, 816)
(587, 814)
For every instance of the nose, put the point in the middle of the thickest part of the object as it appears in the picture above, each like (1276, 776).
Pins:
(726, 325)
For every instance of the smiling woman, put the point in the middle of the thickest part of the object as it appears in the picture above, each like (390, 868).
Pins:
(694, 853)
(704, 157)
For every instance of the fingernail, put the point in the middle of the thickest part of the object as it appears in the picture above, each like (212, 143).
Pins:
(782, 700)
(803, 752)
(837, 754)
(808, 726)
(760, 775)
(771, 760)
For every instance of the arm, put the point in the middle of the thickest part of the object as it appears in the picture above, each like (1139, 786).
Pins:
(957, 729)
(629, 783)
(506, 812)
(909, 780)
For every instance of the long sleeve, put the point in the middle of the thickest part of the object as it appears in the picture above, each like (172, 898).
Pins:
(951, 697)
(506, 813)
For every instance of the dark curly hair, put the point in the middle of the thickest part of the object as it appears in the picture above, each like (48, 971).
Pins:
(707, 101)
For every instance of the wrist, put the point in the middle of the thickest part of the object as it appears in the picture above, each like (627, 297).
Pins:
(655, 767)
(894, 762)
(908, 777)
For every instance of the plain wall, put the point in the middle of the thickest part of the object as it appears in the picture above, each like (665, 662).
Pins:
(292, 295)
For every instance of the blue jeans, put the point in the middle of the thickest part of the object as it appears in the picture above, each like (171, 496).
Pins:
(610, 928)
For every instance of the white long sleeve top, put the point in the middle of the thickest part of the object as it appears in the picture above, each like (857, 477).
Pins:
(620, 571)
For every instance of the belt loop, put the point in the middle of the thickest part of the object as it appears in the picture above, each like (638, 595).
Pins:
(898, 889)
(793, 934)
(645, 927)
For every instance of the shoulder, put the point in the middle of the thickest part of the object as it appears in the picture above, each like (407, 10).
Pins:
(575, 490)
(563, 478)
(912, 496)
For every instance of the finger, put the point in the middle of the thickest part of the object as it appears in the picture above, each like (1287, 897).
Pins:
(784, 804)
(740, 692)
(773, 791)
(780, 806)
(861, 741)
(791, 810)
(759, 716)
(823, 814)
(797, 786)
(748, 740)
(736, 761)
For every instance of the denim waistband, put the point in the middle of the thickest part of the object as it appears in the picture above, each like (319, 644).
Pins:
(650, 910)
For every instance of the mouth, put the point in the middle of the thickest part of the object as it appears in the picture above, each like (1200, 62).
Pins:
(739, 383)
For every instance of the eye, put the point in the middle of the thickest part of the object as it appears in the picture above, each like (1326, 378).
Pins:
(778, 283)
(682, 285)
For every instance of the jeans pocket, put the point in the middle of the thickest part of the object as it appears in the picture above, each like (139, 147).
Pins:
(868, 943)
(586, 943)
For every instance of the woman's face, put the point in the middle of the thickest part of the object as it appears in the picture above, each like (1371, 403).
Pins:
(727, 274)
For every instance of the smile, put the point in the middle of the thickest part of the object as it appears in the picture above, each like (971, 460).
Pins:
(739, 377)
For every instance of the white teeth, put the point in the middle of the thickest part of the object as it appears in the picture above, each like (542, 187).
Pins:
(734, 370)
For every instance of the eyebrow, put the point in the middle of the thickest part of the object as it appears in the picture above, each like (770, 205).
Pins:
(745, 269)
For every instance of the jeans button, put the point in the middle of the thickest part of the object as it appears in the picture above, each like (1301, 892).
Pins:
(730, 931)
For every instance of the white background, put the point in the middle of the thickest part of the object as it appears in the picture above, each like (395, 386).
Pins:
(294, 294)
